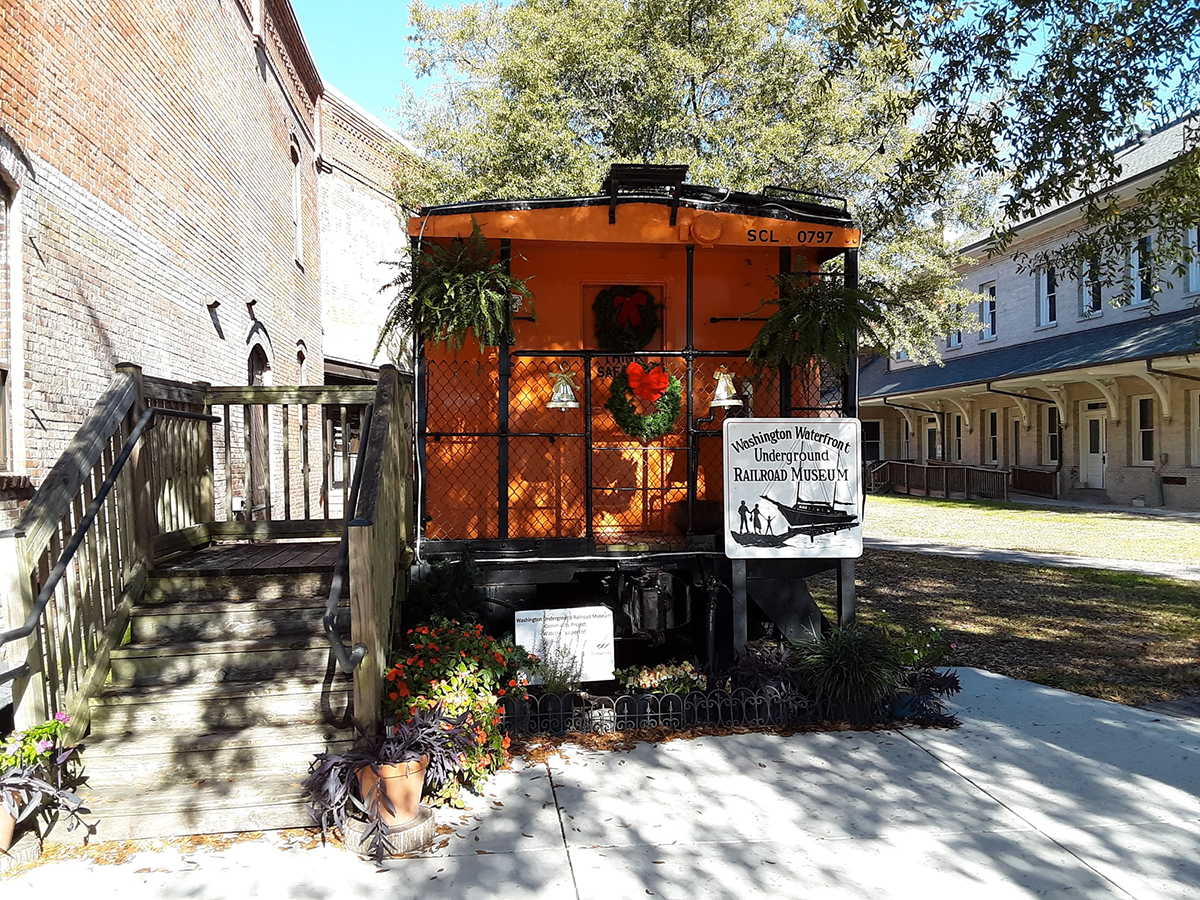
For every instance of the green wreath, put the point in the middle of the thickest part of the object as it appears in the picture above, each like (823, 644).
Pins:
(625, 322)
(651, 425)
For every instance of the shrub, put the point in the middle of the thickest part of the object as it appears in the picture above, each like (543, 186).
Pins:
(467, 671)
(450, 590)
(851, 665)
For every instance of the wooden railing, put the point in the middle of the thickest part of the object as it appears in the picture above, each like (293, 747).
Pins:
(66, 656)
(277, 464)
(1039, 482)
(938, 479)
(379, 536)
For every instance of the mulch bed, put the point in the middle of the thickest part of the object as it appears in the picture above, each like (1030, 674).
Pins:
(1114, 635)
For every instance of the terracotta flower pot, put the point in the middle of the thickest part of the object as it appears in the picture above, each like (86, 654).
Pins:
(402, 784)
(7, 823)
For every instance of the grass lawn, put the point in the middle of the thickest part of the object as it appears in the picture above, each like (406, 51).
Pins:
(1117, 636)
(1018, 526)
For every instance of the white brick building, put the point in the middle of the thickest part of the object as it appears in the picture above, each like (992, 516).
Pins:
(1058, 379)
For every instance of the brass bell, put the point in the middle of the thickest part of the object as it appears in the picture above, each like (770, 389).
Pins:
(726, 394)
(563, 394)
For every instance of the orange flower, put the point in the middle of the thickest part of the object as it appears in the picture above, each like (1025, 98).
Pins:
(499, 658)
(393, 696)
(512, 682)
(500, 692)
(403, 691)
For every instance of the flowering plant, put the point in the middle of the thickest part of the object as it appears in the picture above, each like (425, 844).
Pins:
(667, 678)
(466, 671)
(34, 746)
(35, 772)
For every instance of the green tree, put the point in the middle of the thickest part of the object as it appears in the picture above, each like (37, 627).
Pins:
(539, 97)
(1042, 93)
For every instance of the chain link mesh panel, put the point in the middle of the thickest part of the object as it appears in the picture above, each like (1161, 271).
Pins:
(639, 491)
(461, 501)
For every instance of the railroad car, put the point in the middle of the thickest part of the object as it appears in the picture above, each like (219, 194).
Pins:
(558, 495)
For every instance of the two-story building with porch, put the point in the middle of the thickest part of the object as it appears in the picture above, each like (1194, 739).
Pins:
(1070, 393)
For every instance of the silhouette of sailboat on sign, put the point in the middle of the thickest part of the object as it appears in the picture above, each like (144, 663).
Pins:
(805, 516)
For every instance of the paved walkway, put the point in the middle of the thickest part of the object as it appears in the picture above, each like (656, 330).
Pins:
(1029, 558)
(1041, 793)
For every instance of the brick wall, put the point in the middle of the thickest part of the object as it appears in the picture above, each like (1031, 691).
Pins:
(360, 227)
(159, 135)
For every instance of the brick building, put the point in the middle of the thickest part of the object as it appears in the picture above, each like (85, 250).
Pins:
(361, 230)
(1100, 399)
(164, 201)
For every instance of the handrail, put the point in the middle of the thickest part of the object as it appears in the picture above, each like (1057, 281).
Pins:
(81, 530)
(347, 661)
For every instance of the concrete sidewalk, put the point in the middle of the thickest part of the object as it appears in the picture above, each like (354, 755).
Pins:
(1041, 793)
(1030, 558)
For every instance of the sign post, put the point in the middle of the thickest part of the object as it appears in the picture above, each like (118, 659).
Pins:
(793, 489)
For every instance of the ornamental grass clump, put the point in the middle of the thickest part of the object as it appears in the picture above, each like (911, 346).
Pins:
(851, 670)
(466, 671)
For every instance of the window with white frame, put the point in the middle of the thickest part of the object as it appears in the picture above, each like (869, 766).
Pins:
(1051, 446)
(1047, 296)
(1143, 437)
(1194, 264)
(1091, 291)
(993, 438)
(872, 440)
(906, 442)
(987, 312)
(958, 433)
(1194, 407)
(1142, 271)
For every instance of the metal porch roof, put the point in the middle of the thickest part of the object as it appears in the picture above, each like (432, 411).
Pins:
(1153, 337)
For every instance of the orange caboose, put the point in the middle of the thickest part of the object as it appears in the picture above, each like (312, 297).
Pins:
(555, 460)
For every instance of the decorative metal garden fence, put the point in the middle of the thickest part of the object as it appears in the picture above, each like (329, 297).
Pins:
(557, 714)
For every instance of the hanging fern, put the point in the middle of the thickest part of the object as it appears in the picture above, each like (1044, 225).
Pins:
(454, 288)
(820, 320)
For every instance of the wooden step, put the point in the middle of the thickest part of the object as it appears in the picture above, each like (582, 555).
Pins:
(221, 620)
(166, 586)
(214, 662)
(196, 708)
(163, 759)
(133, 810)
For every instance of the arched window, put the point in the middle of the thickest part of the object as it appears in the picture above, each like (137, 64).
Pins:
(297, 211)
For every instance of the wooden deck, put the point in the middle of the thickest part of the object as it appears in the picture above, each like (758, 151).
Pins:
(256, 558)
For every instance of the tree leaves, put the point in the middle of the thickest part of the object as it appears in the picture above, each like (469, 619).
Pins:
(539, 97)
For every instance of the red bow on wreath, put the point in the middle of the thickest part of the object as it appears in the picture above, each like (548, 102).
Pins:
(628, 313)
(647, 384)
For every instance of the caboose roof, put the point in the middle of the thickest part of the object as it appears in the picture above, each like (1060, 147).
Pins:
(653, 214)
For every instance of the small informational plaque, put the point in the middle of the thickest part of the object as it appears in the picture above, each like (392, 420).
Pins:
(577, 642)
(793, 488)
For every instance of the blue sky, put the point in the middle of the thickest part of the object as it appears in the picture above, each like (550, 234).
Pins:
(360, 48)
